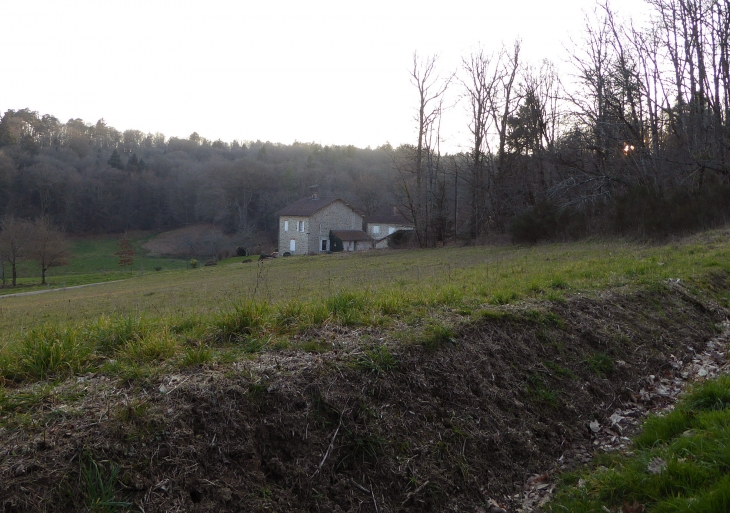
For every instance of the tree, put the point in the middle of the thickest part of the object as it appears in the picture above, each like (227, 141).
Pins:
(126, 251)
(479, 84)
(418, 165)
(133, 164)
(48, 246)
(14, 243)
(115, 160)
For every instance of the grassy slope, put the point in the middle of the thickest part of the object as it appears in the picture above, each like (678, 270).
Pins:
(92, 261)
(146, 324)
(466, 277)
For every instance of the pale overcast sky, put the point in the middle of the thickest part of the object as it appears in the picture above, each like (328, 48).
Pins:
(332, 72)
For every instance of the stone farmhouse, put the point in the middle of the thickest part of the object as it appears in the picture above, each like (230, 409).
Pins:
(314, 224)
(385, 222)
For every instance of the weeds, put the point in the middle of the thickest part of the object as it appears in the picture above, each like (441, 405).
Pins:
(134, 410)
(600, 364)
(435, 335)
(560, 371)
(196, 355)
(52, 350)
(155, 347)
(107, 334)
(347, 307)
(539, 391)
(100, 487)
(361, 447)
(290, 314)
(503, 298)
(377, 361)
(245, 318)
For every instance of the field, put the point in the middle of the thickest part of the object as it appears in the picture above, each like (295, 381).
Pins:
(92, 261)
(465, 277)
(393, 329)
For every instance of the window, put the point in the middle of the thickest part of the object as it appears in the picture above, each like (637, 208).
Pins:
(292, 245)
(376, 228)
(286, 226)
(300, 226)
(391, 229)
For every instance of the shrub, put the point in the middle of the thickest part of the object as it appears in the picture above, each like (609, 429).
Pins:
(193, 263)
(648, 212)
(546, 221)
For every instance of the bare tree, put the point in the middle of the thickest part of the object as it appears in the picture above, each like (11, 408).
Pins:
(15, 241)
(48, 246)
(418, 165)
(488, 84)
(479, 84)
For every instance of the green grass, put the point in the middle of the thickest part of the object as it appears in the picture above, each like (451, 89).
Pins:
(243, 309)
(92, 261)
(377, 361)
(681, 462)
(100, 487)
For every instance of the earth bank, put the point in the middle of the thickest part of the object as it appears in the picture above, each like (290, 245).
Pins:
(454, 422)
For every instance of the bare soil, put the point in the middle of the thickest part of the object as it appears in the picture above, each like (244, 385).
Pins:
(204, 239)
(452, 428)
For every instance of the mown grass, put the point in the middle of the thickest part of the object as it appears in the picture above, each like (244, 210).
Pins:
(681, 463)
(92, 261)
(241, 309)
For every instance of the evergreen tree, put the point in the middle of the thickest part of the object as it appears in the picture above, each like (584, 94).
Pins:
(133, 163)
(115, 160)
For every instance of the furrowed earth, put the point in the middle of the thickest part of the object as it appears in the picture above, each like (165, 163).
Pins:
(366, 421)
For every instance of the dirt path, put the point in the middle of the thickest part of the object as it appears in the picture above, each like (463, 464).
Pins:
(58, 289)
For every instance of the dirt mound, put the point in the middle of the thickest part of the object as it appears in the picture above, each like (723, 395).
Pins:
(205, 240)
(199, 239)
(444, 426)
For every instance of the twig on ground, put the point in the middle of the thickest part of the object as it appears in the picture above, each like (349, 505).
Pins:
(332, 443)
(414, 493)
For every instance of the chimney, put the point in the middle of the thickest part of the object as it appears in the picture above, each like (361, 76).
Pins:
(314, 189)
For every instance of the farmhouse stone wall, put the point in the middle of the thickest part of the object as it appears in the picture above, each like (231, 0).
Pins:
(335, 216)
(291, 232)
(385, 229)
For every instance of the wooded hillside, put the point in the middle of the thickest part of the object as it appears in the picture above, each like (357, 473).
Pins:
(635, 140)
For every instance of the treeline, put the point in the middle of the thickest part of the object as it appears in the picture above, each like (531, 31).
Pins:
(637, 144)
(91, 178)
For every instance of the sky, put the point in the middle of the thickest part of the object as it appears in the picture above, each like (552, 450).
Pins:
(330, 72)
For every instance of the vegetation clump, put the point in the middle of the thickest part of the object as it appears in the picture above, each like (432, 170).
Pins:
(680, 462)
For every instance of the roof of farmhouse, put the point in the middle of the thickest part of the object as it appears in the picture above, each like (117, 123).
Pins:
(388, 215)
